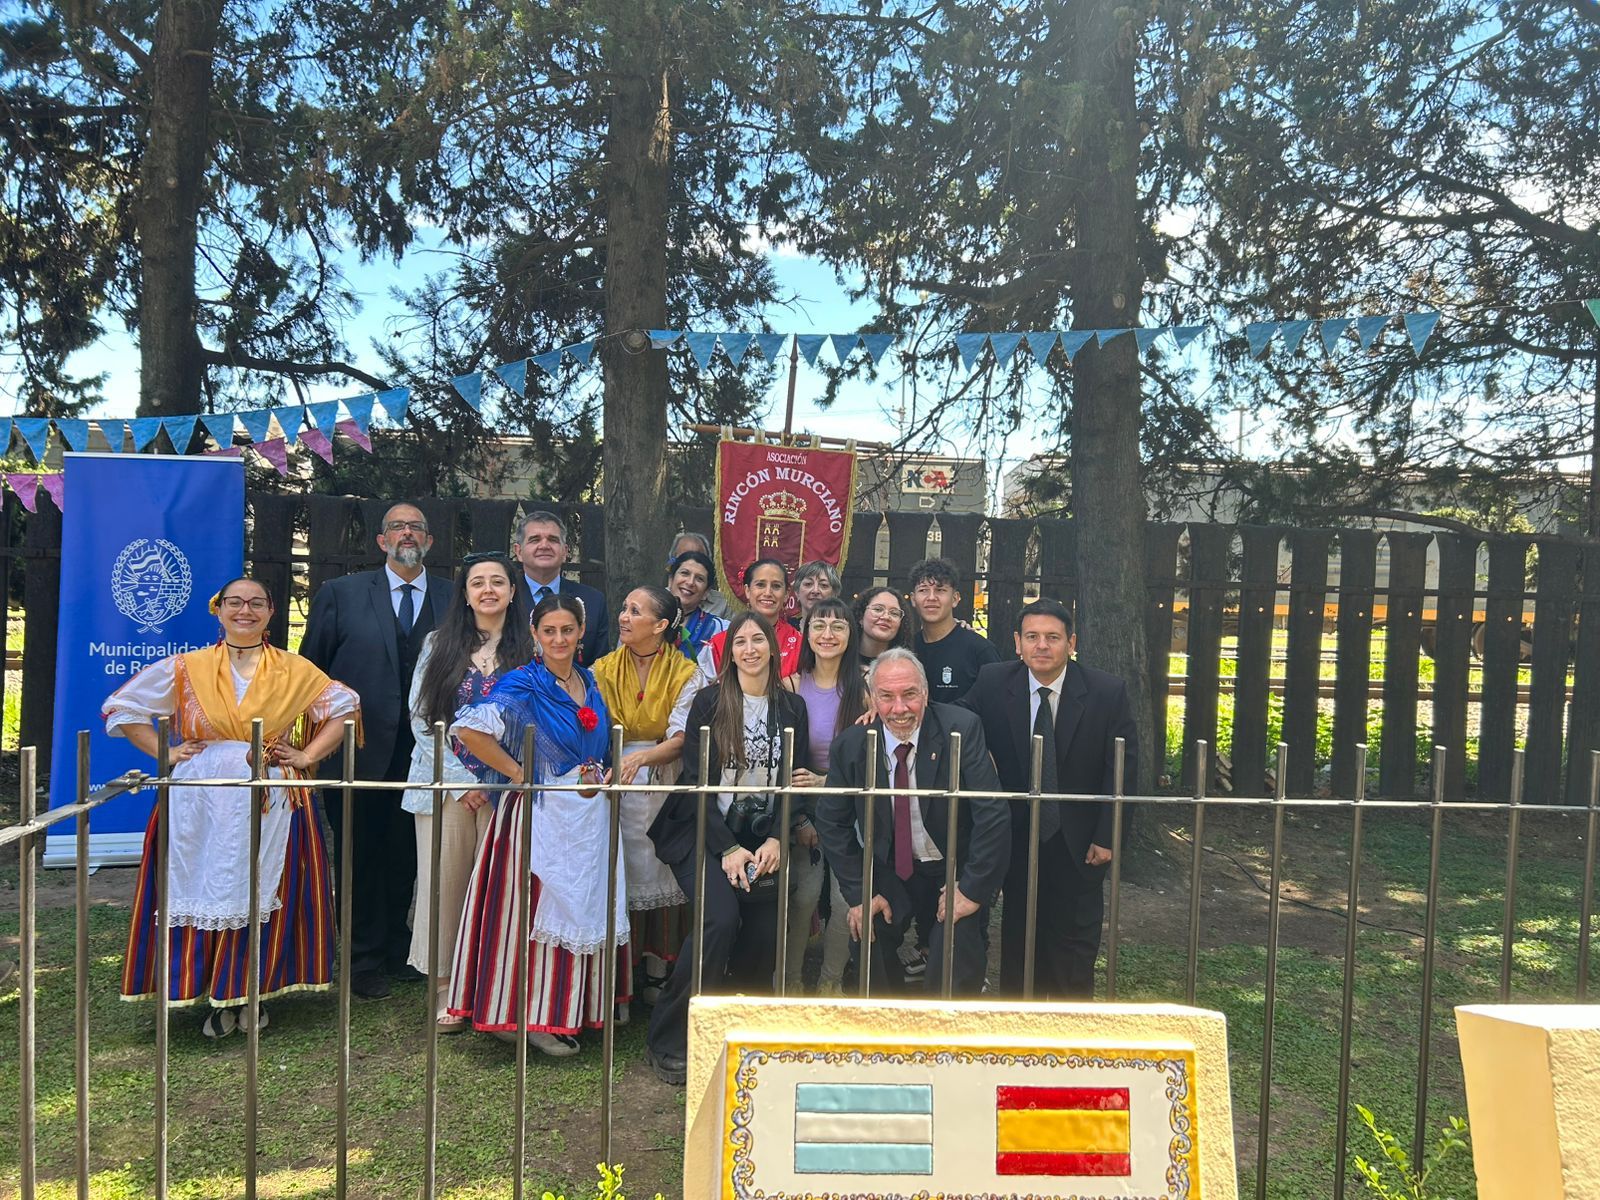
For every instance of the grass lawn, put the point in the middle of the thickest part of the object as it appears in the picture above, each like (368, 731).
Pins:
(477, 1075)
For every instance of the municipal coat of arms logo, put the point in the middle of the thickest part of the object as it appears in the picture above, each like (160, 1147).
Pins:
(150, 582)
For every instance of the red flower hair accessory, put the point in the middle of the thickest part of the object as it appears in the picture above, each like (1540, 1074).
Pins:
(588, 719)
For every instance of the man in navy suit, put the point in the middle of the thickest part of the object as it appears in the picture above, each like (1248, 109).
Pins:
(541, 547)
(365, 630)
(1084, 713)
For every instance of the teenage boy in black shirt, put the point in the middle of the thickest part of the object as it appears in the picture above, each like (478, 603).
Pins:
(950, 653)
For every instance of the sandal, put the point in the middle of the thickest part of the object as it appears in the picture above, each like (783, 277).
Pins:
(448, 1024)
(556, 1045)
(219, 1023)
(244, 1017)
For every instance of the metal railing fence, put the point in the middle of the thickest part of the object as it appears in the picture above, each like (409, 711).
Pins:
(32, 825)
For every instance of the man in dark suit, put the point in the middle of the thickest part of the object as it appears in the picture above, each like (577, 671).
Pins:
(909, 836)
(1080, 712)
(366, 630)
(541, 547)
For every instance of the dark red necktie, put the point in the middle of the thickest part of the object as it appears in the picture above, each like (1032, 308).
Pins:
(902, 812)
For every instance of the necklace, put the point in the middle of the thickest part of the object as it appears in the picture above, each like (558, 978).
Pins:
(641, 658)
(242, 649)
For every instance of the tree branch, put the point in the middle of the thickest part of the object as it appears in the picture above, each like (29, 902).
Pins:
(238, 359)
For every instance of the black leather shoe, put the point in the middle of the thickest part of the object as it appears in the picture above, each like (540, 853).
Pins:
(406, 973)
(669, 1068)
(369, 985)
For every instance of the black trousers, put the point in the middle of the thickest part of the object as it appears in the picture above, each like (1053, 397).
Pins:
(1071, 912)
(383, 869)
(740, 949)
(917, 899)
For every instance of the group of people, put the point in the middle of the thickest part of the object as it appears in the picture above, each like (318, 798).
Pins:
(513, 657)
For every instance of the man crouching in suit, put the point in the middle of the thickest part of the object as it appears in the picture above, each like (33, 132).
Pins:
(1080, 713)
(909, 834)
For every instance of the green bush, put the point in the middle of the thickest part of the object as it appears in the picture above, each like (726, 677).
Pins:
(1413, 1184)
(610, 1185)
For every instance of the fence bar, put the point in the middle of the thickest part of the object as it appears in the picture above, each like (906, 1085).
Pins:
(27, 921)
(948, 966)
(1430, 925)
(81, 974)
(430, 1100)
(1347, 1010)
(163, 942)
(1508, 929)
(608, 969)
(524, 885)
(252, 1046)
(700, 861)
(1118, 780)
(865, 982)
(785, 859)
(1588, 875)
(1201, 770)
(347, 837)
(1274, 905)
(1031, 929)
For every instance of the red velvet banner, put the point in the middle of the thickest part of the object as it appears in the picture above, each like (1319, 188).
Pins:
(791, 503)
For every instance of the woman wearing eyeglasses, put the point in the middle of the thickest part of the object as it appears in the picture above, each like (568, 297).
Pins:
(482, 636)
(213, 697)
(886, 622)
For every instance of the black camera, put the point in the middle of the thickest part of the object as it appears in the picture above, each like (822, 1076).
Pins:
(750, 819)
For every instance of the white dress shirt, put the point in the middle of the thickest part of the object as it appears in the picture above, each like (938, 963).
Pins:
(1034, 684)
(922, 847)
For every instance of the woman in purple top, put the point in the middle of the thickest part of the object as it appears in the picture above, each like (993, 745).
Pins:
(830, 683)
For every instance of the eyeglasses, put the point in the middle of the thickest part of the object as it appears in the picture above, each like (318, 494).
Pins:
(255, 604)
(879, 610)
(840, 627)
(402, 526)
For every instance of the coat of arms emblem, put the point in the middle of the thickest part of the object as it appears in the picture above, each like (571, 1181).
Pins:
(150, 582)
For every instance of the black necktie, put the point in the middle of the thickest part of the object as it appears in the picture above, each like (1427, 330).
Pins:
(1044, 725)
(408, 609)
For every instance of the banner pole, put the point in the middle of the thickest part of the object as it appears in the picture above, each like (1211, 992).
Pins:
(794, 374)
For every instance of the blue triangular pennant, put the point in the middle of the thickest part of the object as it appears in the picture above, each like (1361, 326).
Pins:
(289, 418)
(325, 414)
(180, 432)
(1004, 346)
(5, 433)
(770, 345)
(970, 345)
(877, 344)
(115, 431)
(660, 339)
(360, 409)
(1182, 335)
(220, 427)
(549, 362)
(702, 346)
(1594, 309)
(514, 375)
(1294, 332)
(1419, 328)
(1368, 329)
(735, 346)
(146, 428)
(843, 344)
(1105, 335)
(1332, 330)
(470, 388)
(395, 401)
(1040, 345)
(36, 432)
(809, 344)
(582, 351)
(74, 433)
(1258, 334)
(1146, 336)
(255, 422)
(1074, 340)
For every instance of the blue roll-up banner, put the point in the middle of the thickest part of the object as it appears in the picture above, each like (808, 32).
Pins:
(145, 542)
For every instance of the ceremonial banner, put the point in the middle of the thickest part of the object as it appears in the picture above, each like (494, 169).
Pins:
(792, 503)
(145, 543)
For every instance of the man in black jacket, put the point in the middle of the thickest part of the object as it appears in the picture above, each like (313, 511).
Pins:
(1084, 713)
(366, 630)
(541, 548)
(909, 836)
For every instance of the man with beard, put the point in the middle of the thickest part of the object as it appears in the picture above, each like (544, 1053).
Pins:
(365, 630)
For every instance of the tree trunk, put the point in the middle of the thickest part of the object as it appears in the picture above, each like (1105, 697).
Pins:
(638, 179)
(1107, 283)
(176, 148)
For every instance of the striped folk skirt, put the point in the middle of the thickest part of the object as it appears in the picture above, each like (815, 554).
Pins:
(209, 966)
(567, 986)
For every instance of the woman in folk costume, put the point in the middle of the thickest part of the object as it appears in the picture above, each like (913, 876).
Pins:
(213, 695)
(570, 859)
(647, 686)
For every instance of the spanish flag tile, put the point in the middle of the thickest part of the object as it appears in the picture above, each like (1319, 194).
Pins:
(1062, 1131)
